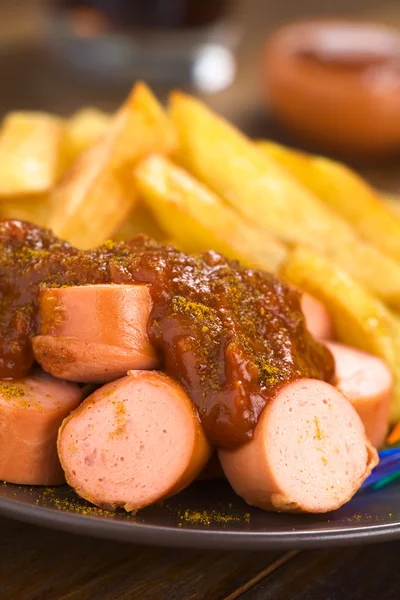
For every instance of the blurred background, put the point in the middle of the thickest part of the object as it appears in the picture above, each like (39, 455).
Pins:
(59, 55)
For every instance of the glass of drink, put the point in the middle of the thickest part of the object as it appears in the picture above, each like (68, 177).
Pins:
(172, 42)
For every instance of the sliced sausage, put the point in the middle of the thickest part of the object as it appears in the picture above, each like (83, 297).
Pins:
(94, 333)
(213, 469)
(31, 412)
(318, 320)
(133, 442)
(368, 383)
(309, 452)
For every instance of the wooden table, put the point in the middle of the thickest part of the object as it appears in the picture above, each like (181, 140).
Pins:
(39, 564)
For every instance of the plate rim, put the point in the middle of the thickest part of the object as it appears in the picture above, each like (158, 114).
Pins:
(205, 539)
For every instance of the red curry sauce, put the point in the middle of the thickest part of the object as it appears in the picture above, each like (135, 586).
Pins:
(232, 336)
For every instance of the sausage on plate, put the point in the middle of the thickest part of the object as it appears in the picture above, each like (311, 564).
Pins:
(318, 320)
(133, 442)
(94, 333)
(368, 383)
(309, 452)
(31, 412)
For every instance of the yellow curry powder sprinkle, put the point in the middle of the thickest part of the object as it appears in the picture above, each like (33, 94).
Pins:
(318, 431)
(120, 414)
(16, 394)
(10, 391)
(209, 517)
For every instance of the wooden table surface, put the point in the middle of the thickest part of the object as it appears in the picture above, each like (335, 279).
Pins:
(40, 564)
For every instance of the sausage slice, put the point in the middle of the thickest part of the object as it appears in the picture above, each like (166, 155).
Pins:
(309, 452)
(368, 383)
(31, 412)
(133, 442)
(94, 333)
(318, 320)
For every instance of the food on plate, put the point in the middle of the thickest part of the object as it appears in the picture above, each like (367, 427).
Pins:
(140, 221)
(133, 442)
(359, 319)
(392, 201)
(336, 82)
(346, 193)
(233, 341)
(238, 329)
(94, 333)
(309, 452)
(195, 218)
(82, 130)
(33, 208)
(24, 259)
(394, 436)
(318, 319)
(96, 194)
(204, 308)
(31, 412)
(368, 383)
(30, 153)
(267, 194)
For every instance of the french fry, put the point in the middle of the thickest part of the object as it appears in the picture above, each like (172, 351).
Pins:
(264, 192)
(198, 220)
(84, 129)
(30, 153)
(234, 168)
(392, 202)
(139, 221)
(345, 192)
(360, 319)
(34, 209)
(97, 194)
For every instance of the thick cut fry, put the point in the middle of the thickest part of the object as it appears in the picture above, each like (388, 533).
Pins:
(30, 153)
(270, 196)
(346, 193)
(35, 209)
(139, 221)
(360, 320)
(394, 435)
(84, 129)
(392, 201)
(96, 194)
(198, 220)
(90, 204)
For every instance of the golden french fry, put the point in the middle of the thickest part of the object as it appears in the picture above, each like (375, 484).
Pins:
(392, 202)
(30, 153)
(360, 319)
(139, 221)
(266, 193)
(35, 209)
(198, 220)
(84, 129)
(345, 192)
(97, 193)
(90, 203)
(234, 168)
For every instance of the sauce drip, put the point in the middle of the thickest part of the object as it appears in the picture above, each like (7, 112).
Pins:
(232, 336)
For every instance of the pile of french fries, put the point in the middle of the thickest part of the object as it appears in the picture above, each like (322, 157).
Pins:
(188, 177)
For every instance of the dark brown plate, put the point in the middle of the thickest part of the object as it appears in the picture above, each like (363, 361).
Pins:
(210, 515)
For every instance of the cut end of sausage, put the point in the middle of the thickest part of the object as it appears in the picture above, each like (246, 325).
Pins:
(94, 333)
(318, 320)
(31, 412)
(368, 383)
(133, 442)
(309, 452)
(87, 362)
